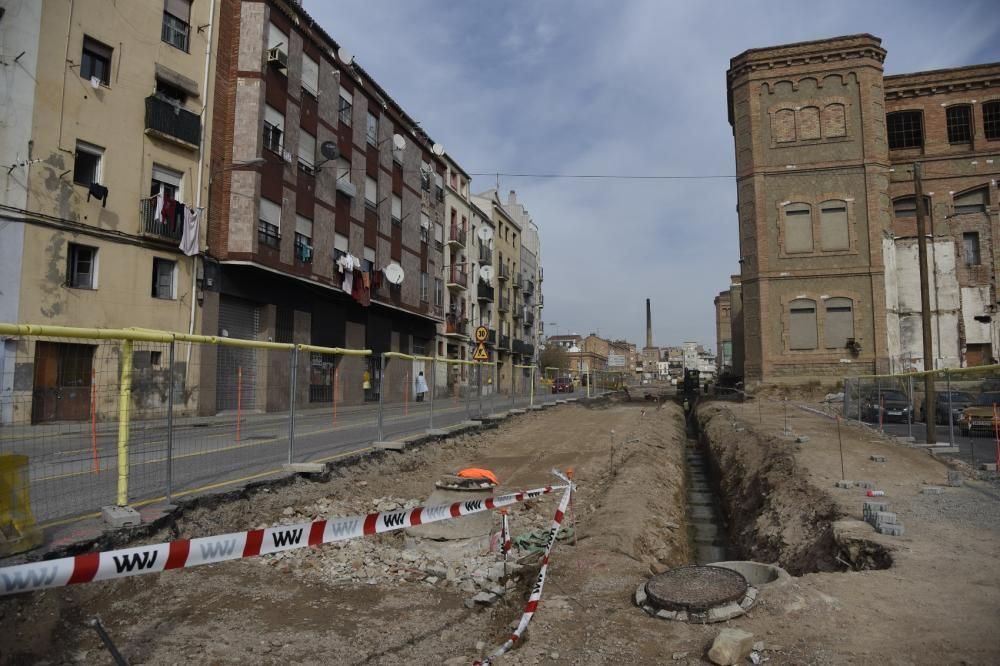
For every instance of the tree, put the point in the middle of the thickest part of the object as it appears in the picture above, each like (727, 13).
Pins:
(553, 356)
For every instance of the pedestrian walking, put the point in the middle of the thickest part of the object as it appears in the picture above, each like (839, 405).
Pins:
(421, 387)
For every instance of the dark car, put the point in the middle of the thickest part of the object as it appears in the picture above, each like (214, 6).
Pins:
(894, 404)
(562, 385)
(959, 401)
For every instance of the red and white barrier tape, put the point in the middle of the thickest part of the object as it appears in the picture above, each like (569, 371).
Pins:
(536, 590)
(209, 550)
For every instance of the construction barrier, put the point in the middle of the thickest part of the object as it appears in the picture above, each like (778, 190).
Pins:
(536, 590)
(188, 553)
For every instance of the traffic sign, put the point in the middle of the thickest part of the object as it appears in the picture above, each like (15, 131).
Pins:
(481, 334)
(481, 354)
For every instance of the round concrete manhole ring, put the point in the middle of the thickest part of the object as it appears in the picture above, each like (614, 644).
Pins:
(696, 593)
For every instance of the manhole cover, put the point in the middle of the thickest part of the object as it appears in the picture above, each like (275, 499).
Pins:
(696, 588)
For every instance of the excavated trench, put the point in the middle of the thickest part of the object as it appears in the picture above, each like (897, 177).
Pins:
(707, 530)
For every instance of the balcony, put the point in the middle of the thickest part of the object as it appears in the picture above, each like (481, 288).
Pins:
(503, 303)
(504, 272)
(528, 287)
(157, 228)
(456, 236)
(457, 278)
(541, 274)
(173, 123)
(523, 348)
(456, 326)
(491, 337)
(518, 312)
(529, 319)
(485, 255)
(504, 342)
(484, 291)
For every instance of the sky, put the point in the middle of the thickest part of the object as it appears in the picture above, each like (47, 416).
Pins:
(629, 87)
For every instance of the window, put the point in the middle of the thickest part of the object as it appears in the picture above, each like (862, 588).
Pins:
(991, 120)
(340, 244)
(959, 121)
(802, 324)
(783, 126)
(343, 169)
(81, 267)
(809, 123)
(170, 93)
(971, 202)
(274, 128)
(397, 209)
(303, 239)
(833, 232)
(906, 129)
(346, 107)
(423, 287)
(970, 248)
(176, 23)
(269, 224)
(163, 278)
(276, 38)
(372, 132)
(165, 181)
(87, 163)
(439, 235)
(371, 192)
(798, 228)
(839, 324)
(307, 151)
(834, 122)
(95, 63)
(310, 75)
(438, 292)
(425, 176)
(905, 207)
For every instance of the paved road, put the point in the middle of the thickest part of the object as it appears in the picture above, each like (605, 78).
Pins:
(206, 452)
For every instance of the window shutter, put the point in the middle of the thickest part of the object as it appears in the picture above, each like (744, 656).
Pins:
(274, 117)
(310, 74)
(340, 242)
(371, 190)
(397, 207)
(802, 324)
(798, 228)
(179, 8)
(833, 226)
(270, 212)
(839, 325)
(303, 226)
(276, 38)
(307, 147)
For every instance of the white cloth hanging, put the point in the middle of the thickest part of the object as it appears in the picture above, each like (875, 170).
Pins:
(189, 239)
(421, 384)
(158, 213)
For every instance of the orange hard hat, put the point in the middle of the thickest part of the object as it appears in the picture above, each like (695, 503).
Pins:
(478, 473)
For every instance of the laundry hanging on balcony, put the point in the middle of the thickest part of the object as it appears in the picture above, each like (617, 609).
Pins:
(99, 192)
(189, 240)
(347, 264)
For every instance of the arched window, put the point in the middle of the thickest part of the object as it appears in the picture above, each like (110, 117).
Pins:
(798, 227)
(783, 126)
(971, 202)
(833, 231)
(907, 206)
(809, 123)
(991, 120)
(839, 322)
(802, 324)
(834, 121)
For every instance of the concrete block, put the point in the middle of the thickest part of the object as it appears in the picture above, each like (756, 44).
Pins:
(954, 478)
(845, 484)
(935, 450)
(880, 459)
(731, 646)
(472, 424)
(884, 517)
(120, 516)
(516, 411)
(537, 408)
(666, 614)
(305, 468)
(560, 402)
(865, 484)
(390, 446)
(932, 490)
(436, 432)
(497, 416)
(890, 529)
(988, 467)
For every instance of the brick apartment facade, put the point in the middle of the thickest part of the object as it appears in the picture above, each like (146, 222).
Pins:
(826, 231)
(282, 214)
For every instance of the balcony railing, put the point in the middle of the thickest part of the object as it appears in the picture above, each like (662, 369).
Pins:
(503, 303)
(171, 120)
(529, 319)
(457, 235)
(485, 255)
(518, 312)
(153, 227)
(504, 272)
(517, 281)
(458, 277)
(491, 337)
(504, 342)
(484, 291)
(456, 325)
(529, 287)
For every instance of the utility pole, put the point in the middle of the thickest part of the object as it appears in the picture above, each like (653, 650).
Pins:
(925, 308)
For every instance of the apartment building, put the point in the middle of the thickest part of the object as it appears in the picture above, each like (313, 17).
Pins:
(107, 165)
(527, 310)
(507, 256)
(327, 223)
(458, 271)
(723, 333)
(482, 299)
(825, 145)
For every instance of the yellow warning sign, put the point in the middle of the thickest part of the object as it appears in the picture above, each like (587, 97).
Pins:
(481, 334)
(481, 354)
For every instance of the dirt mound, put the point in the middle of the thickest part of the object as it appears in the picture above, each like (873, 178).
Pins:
(775, 514)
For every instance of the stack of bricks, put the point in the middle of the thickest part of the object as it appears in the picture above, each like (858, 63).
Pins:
(884, 521)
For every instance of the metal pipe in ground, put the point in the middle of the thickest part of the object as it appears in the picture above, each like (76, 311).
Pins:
(292, 378)
(381, 394)
(170, 426)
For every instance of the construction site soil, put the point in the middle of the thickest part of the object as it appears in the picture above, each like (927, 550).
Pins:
(376, 601)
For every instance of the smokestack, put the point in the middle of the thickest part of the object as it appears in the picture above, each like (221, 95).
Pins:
(649, 326)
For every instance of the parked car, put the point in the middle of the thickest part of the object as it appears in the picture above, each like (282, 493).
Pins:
(563, 385)
(895, 405)
(977, 418)
(959, 401)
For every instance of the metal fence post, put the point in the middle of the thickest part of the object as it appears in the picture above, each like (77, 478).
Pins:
(909, 412)
(847, 397)
(430, 423)
(124, 405)
(493, 395)
(479, 380)
(951, 414)
(513, 385)
(531, 398)
(292, 378)
(170, 426)
(468, 392)
(381, 392)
